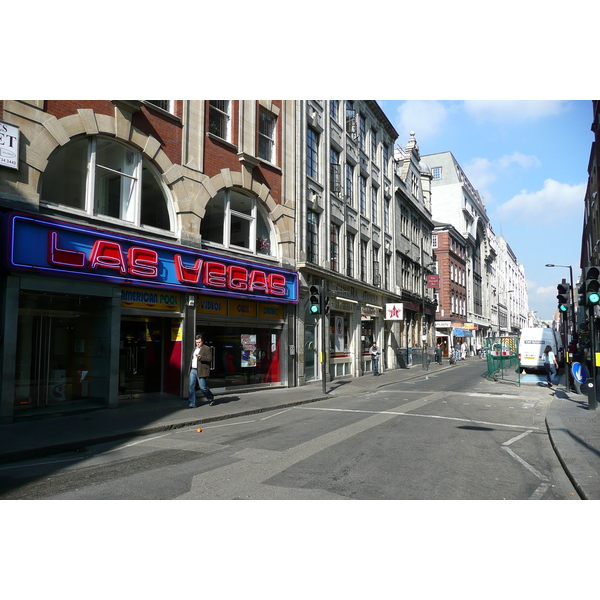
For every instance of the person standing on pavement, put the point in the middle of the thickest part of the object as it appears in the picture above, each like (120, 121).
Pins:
(550, 364)
(199, 371)
(438, 354)
(457, 351)
(375, 358)
(463, 350)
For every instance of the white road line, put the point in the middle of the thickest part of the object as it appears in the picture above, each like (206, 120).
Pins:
(279, 413)
(229, 424)
(522, 435)
(142, 441)
(482, 395)
(405, 414)
(525, 464)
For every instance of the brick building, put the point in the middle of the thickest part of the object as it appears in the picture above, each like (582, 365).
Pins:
(128, 227)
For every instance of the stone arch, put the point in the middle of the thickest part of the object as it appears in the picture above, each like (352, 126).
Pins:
(58, 132)
(211, 186)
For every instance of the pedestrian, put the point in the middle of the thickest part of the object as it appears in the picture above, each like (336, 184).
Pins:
(457, 351)
(375, 359)
(463, 350)
(550, 364)
(438, 354)
(199, 371)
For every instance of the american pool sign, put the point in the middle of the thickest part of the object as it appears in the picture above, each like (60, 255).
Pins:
(50, 247)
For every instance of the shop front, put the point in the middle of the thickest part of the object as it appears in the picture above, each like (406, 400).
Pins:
(341, 326)
(246, 337)
(91, 316)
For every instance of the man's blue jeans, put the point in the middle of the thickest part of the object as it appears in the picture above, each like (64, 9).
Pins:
(203, 387)
(375, 364)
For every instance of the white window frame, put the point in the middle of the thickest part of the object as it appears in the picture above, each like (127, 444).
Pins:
(226, 116)
(271, 140)
(252, 219)
(132, 215)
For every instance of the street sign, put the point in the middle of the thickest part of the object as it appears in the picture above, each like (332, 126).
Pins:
(580, 373)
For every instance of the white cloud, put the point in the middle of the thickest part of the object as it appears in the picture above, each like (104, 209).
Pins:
(424, 117)
(483, 172)
(546, 291)
(551, 204)
(513, 110)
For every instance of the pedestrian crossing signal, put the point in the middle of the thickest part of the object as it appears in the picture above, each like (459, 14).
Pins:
(592, 286)
(314, 298)
(563, 296)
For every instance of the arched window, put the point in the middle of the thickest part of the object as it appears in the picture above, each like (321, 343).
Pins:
(109, 180)
(236, 220)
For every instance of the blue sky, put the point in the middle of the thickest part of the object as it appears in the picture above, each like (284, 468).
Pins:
(528, 160)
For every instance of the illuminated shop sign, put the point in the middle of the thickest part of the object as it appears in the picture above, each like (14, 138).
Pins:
(49, 247)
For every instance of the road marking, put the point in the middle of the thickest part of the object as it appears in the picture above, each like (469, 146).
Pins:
(522, 435)
(227, 424)
(405, 414)
(483, 395)
(279, 413)
(525, 463)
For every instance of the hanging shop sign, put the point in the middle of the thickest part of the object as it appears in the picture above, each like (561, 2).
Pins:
(9, 146)
(394, 312)
(50, 247)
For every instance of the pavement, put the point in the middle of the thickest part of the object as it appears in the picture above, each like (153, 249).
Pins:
(574, 430)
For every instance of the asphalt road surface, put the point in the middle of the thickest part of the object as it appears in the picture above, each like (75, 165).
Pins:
(452, 436)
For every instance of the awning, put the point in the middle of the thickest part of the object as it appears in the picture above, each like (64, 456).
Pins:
(456, 332)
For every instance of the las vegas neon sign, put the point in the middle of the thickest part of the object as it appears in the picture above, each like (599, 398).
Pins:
(56, 248)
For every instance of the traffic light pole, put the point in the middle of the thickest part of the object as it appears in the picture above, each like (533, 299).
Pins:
(591, 392)
(324, 339)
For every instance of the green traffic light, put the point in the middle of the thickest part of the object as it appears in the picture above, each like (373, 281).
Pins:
(314, 308)
(562, 308)
(593, 298)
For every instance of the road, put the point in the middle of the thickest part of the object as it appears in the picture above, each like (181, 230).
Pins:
(452, 436)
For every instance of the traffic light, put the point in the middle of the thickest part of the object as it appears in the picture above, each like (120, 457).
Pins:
(563, 296)
(592, 286)
(326, 305)
(314, 298)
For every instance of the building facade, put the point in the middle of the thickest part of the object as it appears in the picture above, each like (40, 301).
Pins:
(496, 293)
(363, 231)
(130, 226)
(450, 252)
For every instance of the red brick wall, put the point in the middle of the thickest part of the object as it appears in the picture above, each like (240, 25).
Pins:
(219, 155)
(166, 130)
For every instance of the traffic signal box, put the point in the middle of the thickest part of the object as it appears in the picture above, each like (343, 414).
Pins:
(591, 291)
(314, 298)
(563, 296)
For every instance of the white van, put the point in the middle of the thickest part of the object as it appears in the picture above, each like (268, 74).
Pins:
(532, 342)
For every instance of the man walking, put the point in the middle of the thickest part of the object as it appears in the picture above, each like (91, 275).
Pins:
(199, 371)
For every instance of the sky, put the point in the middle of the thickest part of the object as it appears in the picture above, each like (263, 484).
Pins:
(528, 160)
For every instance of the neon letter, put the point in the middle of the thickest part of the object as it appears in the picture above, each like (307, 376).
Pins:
(237, 278)
(258, 282)
(108, 255)
(214, 274)
(187, 274)
(277, 284)
(143, 262)
(61, 257)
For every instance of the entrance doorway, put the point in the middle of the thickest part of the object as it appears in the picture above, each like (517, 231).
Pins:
(140, 355)
(55, 366)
